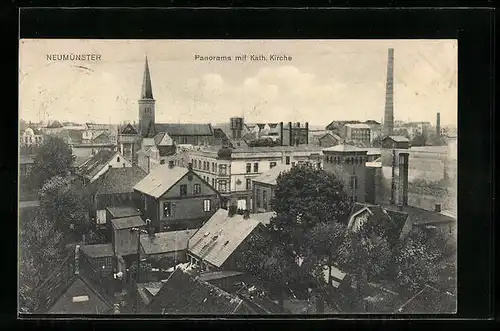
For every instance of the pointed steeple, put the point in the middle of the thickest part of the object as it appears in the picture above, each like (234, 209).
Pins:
(147, 90)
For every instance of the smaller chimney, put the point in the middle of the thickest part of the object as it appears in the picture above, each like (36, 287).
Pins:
(246, 214)
(77, 258)
(232, 210)
(437, 208)
(190, 166)
(171, 164)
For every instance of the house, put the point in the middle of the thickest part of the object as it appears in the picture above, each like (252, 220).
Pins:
(181, 293)
(329, 140)
(97, 262)
(155, 151)
(114, 189)
(395, 142)
(91, 169)
(176, 198)
(30, 137)
(393, 221)
(69, 291)
(124, 239)
(357, 133)
(216, 245)
(170, 245)
(264, 186)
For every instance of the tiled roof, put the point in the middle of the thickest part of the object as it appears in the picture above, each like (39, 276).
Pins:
(160, 180)
(397, 138)
(220, 236)
(120, 180)
(208, 276)
(80, 298)
(422, 216)
(95, 164)
(96, 251)
(165, 242)
(344, 148)
(174, 129)
(127, 222)
(269, 177)
(123, 211)
(182, 294)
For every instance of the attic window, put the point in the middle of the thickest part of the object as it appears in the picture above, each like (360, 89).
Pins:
(82, 298)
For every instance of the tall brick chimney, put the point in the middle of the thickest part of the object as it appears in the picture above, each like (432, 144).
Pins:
(438, 124)
(281, 133)
(403, 179)
(290, 130)
(389, 95)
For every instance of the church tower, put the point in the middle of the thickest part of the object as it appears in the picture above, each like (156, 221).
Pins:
(146, 104)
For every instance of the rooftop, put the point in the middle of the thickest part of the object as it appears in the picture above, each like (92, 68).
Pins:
(120, 180)
(160, 180)
(165, 242)
(398, 139)
(96, 163)
(96, 251)
(345, 149)
(270, 176)
(127, 222)
(357, 126)
(422, 216)
(220, 236)
(123, 211)
(380, 215)
(183, 294)
(208, 276)
(184, 129)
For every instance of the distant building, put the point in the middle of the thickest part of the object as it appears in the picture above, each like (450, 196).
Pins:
(155, 151)
(418, 128)
(231, 171)
(217, 244)
(264, 186)
(125, 241)
(97, 165)
(329, 140)
(357, 133)
(31, 137)
(395, 142)
(176, 198)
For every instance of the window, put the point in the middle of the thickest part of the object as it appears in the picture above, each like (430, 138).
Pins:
(223, 186)
(162, 161)
(184, 140)
(199, 164)
(196, 188)
(257, 198)
(287, 160)
(272, 165)
(213, 167)
(207, 204)
(118, 159)
(222, 169)
(256, 167)
(249, 184)
(167, 209)
(249, 168)
(213, 182)
(183, 190)
(264, 199)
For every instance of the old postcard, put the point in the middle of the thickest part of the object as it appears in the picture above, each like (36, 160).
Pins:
(232, 177)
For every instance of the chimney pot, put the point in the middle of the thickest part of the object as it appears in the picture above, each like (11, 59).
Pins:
(190, 166)
(246, 214)
(437, 208)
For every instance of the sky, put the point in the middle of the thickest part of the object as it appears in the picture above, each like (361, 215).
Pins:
(326, 80)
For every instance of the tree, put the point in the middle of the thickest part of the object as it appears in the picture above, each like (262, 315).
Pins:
(65, 201)
(39, 253)
(419, 140)
(304, 197)
(53, 158)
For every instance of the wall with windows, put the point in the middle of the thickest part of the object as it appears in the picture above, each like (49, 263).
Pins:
(351, 169)
(261, 197)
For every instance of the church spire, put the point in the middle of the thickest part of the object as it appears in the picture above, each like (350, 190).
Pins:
(147, 91)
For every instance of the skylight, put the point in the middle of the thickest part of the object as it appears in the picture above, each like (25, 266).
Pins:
(81, 298)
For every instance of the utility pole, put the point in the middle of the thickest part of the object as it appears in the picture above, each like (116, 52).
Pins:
(139, 230)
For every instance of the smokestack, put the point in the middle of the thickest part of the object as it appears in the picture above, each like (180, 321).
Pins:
(281, 133)
(393, 178)
(290, 141)
(307, 133)
(389, 95)
(438, 125)
(403, 179)
(437, 208)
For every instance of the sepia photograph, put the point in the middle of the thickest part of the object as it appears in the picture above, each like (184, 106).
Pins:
(237, 177)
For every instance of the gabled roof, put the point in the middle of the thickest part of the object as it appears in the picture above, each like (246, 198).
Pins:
(183, 294)
(398, 139)
(102, 137)
(160, 180)
(127, 222)
(333, 135)
(93, 165)
(395, 220)
(98, 250)
(80, 298)
(188, 129)
(220, 236)
(165, 242)
(270, 176)
(120, 180)
(129, 129)
(123, 211)
(163, 139)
